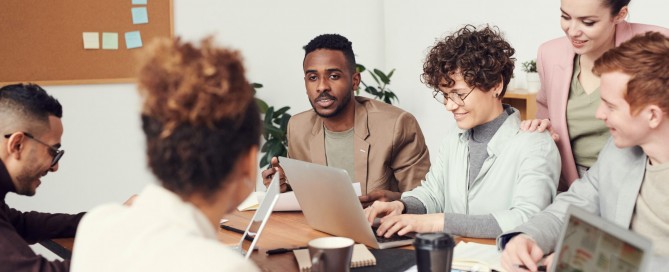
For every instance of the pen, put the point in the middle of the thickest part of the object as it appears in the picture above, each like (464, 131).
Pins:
(236, 230)
(540, 268)
(283, 250)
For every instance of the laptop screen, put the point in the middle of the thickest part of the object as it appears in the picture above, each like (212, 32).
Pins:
(260, 218)
(590, 243)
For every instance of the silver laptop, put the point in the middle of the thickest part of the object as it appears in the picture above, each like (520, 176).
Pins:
(330, 204)
(260, 218)
(590, 243)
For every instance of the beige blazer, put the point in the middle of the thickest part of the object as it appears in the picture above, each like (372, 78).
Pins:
(555, 63)
(390, 150)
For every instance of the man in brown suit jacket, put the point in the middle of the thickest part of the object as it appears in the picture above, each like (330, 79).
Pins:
(380, 146)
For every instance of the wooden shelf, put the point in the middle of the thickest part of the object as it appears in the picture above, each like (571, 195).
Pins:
(525, 102)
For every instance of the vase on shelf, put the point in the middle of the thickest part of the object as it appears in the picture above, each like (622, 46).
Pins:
(533, 83)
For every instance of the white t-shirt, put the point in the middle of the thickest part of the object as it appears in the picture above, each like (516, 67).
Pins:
(159, 232)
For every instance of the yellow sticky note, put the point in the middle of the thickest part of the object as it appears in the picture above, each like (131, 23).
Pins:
(110, 40)
(91, 40)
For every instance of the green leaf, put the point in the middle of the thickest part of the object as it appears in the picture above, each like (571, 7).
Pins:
(262, 105)
(274, 150)
(375, 78)
(263, 161)
(371, 90)
(284, 122)
(275, 132)
(256, 85)
(382, 76)
(269, 114)
(390, 74)
(360, 68)
(281, 111)
(264, 146)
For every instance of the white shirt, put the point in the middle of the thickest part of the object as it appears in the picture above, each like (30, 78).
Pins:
(159, 232)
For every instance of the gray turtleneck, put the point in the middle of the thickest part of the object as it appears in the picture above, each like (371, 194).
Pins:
(482, 226)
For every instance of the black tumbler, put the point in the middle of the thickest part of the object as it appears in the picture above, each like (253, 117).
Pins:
(434, 252)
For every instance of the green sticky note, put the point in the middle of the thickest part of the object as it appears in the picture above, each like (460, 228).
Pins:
(110, 40)
(140, 16)
(133, 39)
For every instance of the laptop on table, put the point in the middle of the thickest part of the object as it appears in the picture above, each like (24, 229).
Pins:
(590, 243)
(330, 204)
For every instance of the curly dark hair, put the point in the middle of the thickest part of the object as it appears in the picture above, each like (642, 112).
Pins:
(482, 56)
(198, 114)
(332, 42)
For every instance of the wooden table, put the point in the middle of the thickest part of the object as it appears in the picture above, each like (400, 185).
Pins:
(283, 230)
(286, 230)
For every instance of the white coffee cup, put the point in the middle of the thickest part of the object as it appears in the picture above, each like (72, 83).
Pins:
(331, 254)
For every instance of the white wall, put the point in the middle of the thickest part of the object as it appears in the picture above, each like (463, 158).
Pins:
(104, 145)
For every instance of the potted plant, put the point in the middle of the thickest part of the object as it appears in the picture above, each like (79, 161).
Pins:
(530, 69)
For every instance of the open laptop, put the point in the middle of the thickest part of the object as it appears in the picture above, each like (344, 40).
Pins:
(590, 243)
(260, 218)
(330, 204)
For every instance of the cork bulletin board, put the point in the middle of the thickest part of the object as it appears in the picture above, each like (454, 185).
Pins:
(42, 40)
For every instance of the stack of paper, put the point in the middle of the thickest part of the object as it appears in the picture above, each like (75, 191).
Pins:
(476, 257)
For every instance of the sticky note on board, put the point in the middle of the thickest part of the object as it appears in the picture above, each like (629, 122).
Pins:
(91, 40)
(110, 40)
(140, 16)
(139, 2)
(133, 39)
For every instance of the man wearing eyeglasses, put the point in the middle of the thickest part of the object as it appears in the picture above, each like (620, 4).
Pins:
(29, 149)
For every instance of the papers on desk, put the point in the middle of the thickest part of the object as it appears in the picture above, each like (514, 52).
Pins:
(287, 201)
(474, 257)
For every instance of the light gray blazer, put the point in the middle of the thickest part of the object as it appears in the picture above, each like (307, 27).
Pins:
(609, 189)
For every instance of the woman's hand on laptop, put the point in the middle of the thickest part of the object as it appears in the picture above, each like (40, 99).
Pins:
(522, 250)
(268, 174)
(404, 224)
(382, 209)
(378, 195)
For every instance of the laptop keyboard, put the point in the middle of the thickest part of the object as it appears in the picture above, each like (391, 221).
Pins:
(393, 238)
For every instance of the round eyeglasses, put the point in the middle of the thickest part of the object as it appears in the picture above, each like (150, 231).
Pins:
(458, 99)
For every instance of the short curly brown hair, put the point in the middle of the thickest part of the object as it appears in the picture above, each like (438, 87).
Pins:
(198, 113)
(482, 56)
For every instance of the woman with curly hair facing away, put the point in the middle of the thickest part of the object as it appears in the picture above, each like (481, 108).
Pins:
(202, 132)
(489, 177)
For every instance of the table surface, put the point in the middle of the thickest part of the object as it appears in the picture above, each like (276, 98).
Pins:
(283, 230)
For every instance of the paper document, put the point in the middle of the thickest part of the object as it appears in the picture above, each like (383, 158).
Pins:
(473, 257)
(476, 257)
(286, 202)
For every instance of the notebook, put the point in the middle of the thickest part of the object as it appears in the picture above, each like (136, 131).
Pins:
(590, 243)
(476, 257)
(331, 205)
(361, 257)
(260, 218)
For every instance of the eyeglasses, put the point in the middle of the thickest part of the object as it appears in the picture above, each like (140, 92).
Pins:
(54, 152)
(457, 98)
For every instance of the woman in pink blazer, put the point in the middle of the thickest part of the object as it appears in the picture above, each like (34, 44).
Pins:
(592, 27)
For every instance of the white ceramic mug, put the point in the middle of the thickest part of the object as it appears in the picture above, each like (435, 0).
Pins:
(331, 254)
